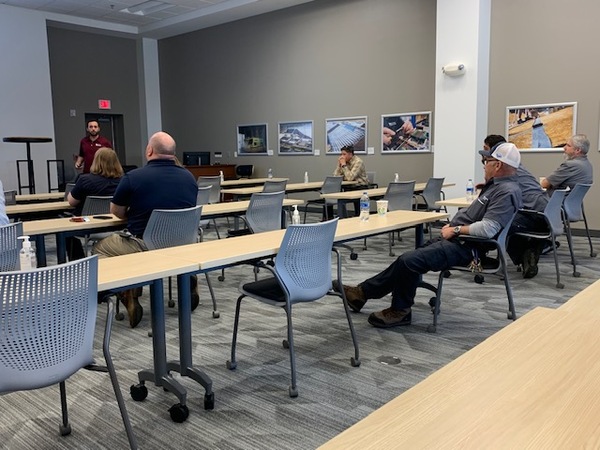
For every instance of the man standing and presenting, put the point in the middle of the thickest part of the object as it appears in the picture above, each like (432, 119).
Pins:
(575, 169)
(498, 201)
(89, 145)
(161, 184)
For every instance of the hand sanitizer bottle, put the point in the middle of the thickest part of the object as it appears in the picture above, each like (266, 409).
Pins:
(396, 178)
(270, 173)
(295, 216)
(27, 256)
(221, 175)
(306, 177)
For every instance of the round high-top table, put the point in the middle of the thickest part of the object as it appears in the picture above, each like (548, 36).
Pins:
(28, 141)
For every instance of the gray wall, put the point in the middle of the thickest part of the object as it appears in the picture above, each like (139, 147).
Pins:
(325, 59)
(85, 67)
(546, 51)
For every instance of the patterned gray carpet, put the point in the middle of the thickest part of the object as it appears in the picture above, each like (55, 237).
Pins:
(252, 406)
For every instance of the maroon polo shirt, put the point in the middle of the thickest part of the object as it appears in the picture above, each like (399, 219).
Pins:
(88, 148)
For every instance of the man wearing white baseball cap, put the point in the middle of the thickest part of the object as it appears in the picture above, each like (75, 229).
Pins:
(499, 199)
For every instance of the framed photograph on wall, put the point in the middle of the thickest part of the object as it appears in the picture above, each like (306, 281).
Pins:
(543, 128)
(296, 138)
(346, 131)
(406, 132)
(252, 139)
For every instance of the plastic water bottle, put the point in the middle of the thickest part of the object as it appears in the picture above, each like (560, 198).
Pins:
(270, 173)
(365, 207)
(470, 190)
(27, 256)
(306, 177)
(396, 178)
(221, 175)
(295, 216)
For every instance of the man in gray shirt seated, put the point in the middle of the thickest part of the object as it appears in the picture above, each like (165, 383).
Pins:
(575, 169)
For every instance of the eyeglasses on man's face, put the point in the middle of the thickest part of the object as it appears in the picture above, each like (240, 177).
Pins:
(484, 161)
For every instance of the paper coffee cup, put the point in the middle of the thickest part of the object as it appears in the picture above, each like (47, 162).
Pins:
(382, 207)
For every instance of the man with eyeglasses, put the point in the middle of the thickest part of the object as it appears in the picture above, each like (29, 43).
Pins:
(500, 197)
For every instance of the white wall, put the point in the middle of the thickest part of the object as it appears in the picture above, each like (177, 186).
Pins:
(25, 94)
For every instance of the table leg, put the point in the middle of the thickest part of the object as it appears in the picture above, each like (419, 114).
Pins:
(40, 250)
(61, 248)
(185, 365)
(30, 170)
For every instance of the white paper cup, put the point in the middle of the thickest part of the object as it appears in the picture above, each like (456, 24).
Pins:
(382, 207)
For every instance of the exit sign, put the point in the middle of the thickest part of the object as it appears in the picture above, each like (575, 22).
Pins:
(103, 104)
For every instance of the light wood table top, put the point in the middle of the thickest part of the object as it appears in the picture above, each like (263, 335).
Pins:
(584, 302)
(291, 187)
(211, 255)
(534, 384)
(224, 208)
(48, 196)
(249, 181)
(64, 224)
(373, 193)
(29, 208)
(140, 268)
(461, 202)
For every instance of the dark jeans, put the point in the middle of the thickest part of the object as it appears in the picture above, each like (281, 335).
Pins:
(402, 277)
(74, 248)
(517, 245)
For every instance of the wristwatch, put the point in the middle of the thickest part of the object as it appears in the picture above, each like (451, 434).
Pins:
(457, 230)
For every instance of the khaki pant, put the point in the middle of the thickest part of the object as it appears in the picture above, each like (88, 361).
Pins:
(118, 244)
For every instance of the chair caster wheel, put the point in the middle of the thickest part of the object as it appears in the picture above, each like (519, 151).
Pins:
(285, 344)
(432, 329)
(209, 401)
(171, 303)
(354, 362)
(510, 316)
(221, 278)
(179, 413)
(119, 316)
(576, 274)
(65, 430)
(293, 392)
(447, 274)
(432, 304)
(353, 256)
(231, 365)
(271, 263)
(593, 254)
(560, 285)
(138, 392)
(392, 254)
(216, 314)
(479, 279)
(149, 333)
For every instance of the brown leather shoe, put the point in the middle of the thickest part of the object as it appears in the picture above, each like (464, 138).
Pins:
(134, 309)
(354, 295)
(194, 292)
(389, 318)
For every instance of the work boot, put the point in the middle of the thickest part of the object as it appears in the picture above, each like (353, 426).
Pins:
(389, 318)
(354, 296)
(195, 297)
(531, 257)
(131, 303)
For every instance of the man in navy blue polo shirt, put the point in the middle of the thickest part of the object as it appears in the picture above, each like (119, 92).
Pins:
(161, 184)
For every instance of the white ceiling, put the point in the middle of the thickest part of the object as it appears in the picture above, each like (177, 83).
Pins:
(179, 16)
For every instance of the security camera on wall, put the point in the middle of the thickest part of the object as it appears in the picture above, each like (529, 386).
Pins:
(454, 70)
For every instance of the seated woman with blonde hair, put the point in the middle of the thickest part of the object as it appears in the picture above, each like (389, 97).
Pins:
(105, 174)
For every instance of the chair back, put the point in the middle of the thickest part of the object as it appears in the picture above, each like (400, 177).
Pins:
(47, 323)
(95, 204)
(303, 264)
(264, 211)
(68, 188)
(203, 197)
(433, 193)
(400, 195)
(331, 185)
(371, 178)
(274, 186)
(553, 211)
(573, 203)
(10, 197)
(172, 227)
(244, 170)
(9, 246)
(215, 183)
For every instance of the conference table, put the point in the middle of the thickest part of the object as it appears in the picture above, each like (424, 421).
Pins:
(150, 267)
(461, 202)
(27, 209)
(249, 181)
(291, 187)
(348, 196)
(63, 227)
(40, 197)
(533, 384)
